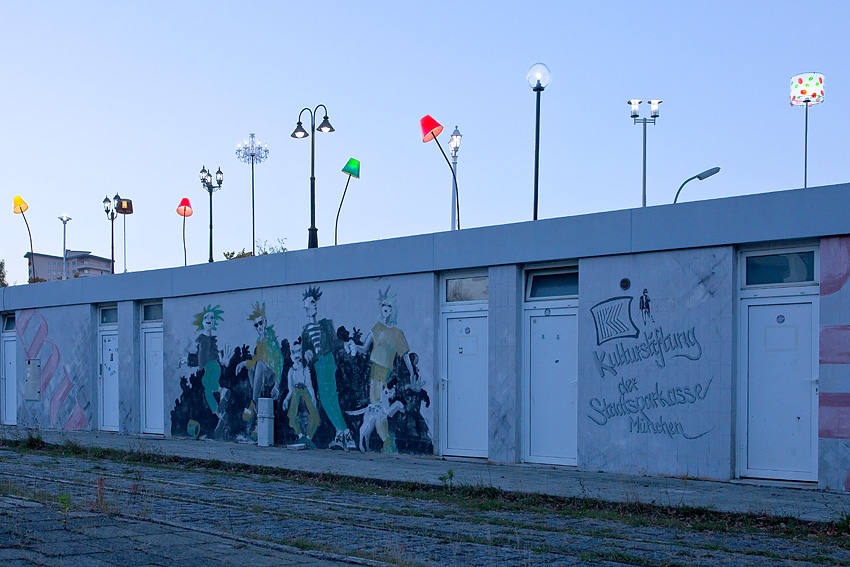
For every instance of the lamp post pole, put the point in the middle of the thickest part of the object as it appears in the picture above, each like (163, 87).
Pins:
(252, 154)
(538, 79)
(299, 132)
(207, 184)
(454, 146)
(19, 207)
(806, 91)
(64, 219)
(110, 216)
(654, 114)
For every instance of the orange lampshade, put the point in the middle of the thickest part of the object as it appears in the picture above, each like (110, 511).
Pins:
(184, 209)
(430, 128)
(19, 206)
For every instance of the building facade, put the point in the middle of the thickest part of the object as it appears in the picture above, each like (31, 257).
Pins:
(78, 264)
(707, 339)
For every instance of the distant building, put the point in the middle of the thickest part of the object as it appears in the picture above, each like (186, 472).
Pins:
(78, 263)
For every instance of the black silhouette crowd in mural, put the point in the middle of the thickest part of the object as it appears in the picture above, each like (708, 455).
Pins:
(331, 388)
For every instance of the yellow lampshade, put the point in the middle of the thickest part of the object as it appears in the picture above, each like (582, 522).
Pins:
(19, 205)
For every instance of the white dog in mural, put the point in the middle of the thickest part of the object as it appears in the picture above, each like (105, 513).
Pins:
(375, 412)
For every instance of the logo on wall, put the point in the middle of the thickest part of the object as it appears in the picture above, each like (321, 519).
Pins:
(613, 319)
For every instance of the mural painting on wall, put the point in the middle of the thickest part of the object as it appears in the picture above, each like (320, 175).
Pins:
(622, 346)
(326, 384)
(68, 407)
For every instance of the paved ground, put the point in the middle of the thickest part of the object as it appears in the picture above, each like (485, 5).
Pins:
(124, 513)
(32, 533)
(766, 498)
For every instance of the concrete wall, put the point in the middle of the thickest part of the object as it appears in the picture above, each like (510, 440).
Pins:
(657, 371)
(656, 364)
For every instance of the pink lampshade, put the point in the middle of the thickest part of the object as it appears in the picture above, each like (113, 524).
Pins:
(184, 209)
(430, 128)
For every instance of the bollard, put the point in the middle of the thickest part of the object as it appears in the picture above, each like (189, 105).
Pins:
(265, 422)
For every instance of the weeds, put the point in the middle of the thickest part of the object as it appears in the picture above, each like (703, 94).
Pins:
(64, 500)
(448, 479)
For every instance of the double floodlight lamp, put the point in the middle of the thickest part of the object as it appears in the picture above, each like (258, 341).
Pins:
(653, 107)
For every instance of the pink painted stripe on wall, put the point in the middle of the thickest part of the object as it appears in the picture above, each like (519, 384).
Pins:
(835, 344)
(834, 263)
(834, 415)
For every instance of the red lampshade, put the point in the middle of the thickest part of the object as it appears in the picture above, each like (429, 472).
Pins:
(430, 128)
(184, 209)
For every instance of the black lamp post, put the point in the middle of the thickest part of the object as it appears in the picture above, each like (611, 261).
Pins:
(538, 79)
(110, 216)
(207, 184)
(325, 126)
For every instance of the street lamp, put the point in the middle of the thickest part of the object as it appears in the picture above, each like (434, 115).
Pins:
(704, 175)
(806, 91)
(252, 154)
(454, 146)
(538, 79)
(110, 216)
(124, 207)
(184, 209)
(653, 105)
(207, 184)
(430, 130)
(19, 207)
(352, 168)
(300, 132)
(64, 219)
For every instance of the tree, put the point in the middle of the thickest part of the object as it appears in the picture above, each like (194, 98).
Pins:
(262, 248)
(3, 282)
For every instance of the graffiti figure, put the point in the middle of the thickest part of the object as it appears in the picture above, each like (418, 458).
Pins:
(266, 366)
(301, 392)
(319, 341)
(207, 355)
(375, 413)
(385, 341)
(643, 305)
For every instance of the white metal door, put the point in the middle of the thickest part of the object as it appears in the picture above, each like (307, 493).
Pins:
(465, 386)
(108, 382)
(551, 389)
(9, 386)
(779, 391)
(152, 383)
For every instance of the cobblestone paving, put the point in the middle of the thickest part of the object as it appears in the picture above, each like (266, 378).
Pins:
(397, 530)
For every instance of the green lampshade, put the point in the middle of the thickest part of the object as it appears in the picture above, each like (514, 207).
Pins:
(352, 168)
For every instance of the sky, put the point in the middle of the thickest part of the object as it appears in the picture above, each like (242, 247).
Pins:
(106, 97)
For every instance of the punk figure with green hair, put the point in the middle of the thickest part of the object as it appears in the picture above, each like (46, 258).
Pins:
(207, 356)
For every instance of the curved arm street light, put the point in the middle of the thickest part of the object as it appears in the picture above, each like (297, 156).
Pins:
(19, 207)
(430, 130)
(184, 209)
(252, 154)
(704, 175)
(352, 168)
(300, 132)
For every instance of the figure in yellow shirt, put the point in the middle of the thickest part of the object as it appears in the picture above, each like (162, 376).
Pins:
(385, 341)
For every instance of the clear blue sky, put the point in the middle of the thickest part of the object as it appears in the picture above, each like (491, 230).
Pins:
(99, 97)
